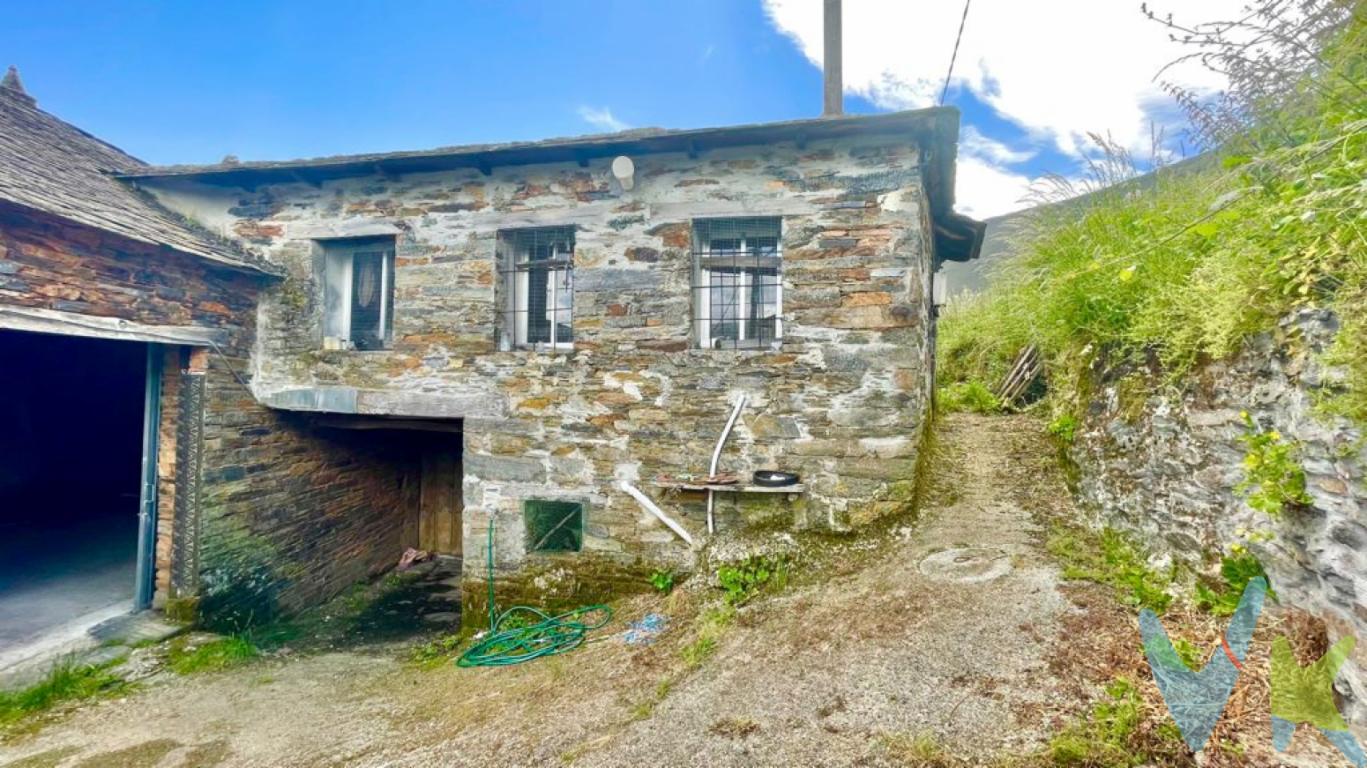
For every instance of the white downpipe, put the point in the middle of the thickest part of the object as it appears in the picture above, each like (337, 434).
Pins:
(654, 510)
(716, 457)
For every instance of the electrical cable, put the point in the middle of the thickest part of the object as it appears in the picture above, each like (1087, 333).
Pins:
(962, 21)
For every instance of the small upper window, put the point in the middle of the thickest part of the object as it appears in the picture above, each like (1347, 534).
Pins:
(358, 280)
(536, 275)
(737, 283)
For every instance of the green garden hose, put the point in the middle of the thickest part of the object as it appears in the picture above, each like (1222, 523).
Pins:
(536, 633)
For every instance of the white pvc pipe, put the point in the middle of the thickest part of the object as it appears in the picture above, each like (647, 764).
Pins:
(716, 457)
(654, 510)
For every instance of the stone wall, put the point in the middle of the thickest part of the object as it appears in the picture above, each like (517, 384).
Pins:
(842, 401)
(1165, 466)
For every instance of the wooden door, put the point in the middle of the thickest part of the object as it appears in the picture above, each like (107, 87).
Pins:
(439, 516)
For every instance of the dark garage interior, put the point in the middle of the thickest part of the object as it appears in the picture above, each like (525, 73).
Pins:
(70, 462)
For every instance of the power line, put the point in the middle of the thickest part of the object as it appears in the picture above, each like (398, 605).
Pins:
(963, 20)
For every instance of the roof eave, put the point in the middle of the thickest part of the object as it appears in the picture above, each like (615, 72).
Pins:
(935, 128)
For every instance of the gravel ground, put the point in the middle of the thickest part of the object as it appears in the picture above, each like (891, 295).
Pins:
(881, 644)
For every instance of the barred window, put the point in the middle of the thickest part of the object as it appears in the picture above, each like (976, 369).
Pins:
(358, 300)
(737, 283)
(536, 275)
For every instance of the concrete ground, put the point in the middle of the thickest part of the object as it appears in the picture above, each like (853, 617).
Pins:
(57, 584)
(953, 630)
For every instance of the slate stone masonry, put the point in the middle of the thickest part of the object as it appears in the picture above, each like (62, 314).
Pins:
(1165, 467)
(842, 401)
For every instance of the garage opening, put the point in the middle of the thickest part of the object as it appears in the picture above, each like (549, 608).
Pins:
(70, 468)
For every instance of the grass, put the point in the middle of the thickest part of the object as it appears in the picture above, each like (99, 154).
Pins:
(1186, 268)
(712, 626)
(66, 682)
(971, 396)
(1113, 559)
(213, 656)
(1112, 735)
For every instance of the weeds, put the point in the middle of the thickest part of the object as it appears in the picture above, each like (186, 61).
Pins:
(1111, 559)
(1064, 427)
(712, 626)
(1222, 598)
(744, 580)
(1110, 735)
(441, 649)
(662, 581)
(968, 396)
(213, 656)
(1273, 478)
(67, 681)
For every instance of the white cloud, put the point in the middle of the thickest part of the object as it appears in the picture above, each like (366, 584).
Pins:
(1058, 68)
(973, 142)
(986, 190)
(602, 119)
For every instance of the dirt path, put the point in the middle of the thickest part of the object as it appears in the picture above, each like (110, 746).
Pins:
(942, 630)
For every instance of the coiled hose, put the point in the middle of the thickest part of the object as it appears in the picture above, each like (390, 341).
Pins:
(544, 636)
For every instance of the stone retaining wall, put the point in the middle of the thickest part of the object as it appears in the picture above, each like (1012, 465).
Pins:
(1165, 466)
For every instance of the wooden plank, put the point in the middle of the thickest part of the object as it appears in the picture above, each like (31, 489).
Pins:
(39, 320)
(733, 488)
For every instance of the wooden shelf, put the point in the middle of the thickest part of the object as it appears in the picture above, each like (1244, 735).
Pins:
(730, 487)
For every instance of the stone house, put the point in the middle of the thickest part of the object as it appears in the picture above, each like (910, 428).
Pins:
(361, 354)
(584, 312)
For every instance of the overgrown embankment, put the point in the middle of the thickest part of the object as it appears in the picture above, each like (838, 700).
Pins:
(1204, 329)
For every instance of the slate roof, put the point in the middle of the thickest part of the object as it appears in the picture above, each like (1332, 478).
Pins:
(51, 166)
(936, 128)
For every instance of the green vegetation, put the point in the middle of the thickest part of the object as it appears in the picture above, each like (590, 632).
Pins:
(1064, 427)
(1185, 265)
(748, 577)
(1111, 558)
(662, 581)
(1273, 478)
(213, 656)
(67, 681)
(1112, 736)
(442, 649)
(1236, 570)
(971, 396)
(711, 627)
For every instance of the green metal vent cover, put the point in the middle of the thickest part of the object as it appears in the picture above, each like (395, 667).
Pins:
(554, 526)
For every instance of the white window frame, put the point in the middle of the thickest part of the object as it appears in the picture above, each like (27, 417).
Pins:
(703, 318)
(559, 268)
(339, 266)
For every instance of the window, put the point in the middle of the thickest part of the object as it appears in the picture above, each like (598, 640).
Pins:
(737, 283)
(358, 301)
(536, 268)
(554, 526)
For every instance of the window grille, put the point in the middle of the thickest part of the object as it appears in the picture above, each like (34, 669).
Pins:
(737, 283)
(358, 284)
(536, 272)
(554, 526)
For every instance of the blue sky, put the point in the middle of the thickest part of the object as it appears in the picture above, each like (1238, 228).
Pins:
(191, 82)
